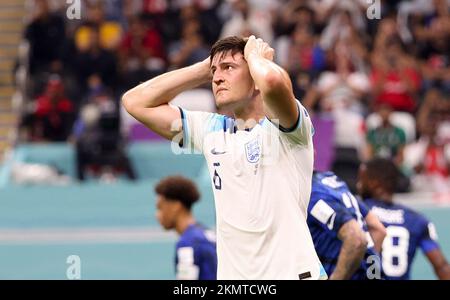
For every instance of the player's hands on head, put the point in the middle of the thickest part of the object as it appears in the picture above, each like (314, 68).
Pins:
(206, 67)
(258, 47)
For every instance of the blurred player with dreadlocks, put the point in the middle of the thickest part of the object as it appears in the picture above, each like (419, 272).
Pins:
(406, 229)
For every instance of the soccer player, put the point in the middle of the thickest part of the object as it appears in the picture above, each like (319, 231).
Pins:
(406, 229)
(260, 161)
(196, 249)
(343, 229)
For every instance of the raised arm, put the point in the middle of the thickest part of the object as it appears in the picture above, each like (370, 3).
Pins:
(147, 102)
(273, 82)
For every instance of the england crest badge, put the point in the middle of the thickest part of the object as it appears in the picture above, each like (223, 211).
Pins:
(253, 151)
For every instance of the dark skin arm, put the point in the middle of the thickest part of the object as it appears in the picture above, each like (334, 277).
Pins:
(354, 245)
(440, 265)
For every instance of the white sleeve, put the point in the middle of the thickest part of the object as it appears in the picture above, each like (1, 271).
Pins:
(196, 124)
(301, 133)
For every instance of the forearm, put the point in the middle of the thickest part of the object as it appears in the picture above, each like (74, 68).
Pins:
(266, 74)
(377, 238)
(354, 245)
(163, 88)
(443, 272)
(272, 81)
(376, 229)
(349, 260)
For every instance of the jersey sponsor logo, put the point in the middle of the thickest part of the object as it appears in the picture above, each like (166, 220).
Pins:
(253, 151)
(323, 212)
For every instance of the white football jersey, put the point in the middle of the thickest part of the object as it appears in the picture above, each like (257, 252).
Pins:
(261, 180)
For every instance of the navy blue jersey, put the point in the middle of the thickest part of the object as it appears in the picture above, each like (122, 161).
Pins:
(331, 206)
(407, 230)
(196, 256)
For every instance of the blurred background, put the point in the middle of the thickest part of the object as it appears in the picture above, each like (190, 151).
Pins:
(77, 172)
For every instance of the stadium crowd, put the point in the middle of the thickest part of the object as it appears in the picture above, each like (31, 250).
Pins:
(375, 87)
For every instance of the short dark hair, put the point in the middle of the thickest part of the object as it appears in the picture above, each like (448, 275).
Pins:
(384, 171)
(178, 188)
(234, 44)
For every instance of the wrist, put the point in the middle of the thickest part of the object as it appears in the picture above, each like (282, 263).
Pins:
(250, 55)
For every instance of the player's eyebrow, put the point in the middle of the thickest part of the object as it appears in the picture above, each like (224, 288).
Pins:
(224, 63)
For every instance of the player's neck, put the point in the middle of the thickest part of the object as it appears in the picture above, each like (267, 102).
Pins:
(385, 197)
(251, 111)
(184, 222)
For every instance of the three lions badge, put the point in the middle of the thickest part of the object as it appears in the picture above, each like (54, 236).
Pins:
(253, 151)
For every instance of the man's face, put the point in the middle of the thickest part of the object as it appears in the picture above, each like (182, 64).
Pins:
(232, 83)
(166, 212)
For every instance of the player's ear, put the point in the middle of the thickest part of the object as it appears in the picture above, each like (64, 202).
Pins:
(178, 206)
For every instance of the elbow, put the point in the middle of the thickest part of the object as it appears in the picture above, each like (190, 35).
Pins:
(127, 101)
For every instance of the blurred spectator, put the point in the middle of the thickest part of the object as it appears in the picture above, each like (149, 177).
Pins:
(190, 49)
(395, 78)
(95, 60)
(341, 92)
(291, 14)
(386, 141)
(435, 55)
(328, 12)
(246, 16)
(204, 11)
(429, 157)
(437, 103)
(53, 114)
(142, 52)
(99, 145)
(154, 7)
(46, 35)
(301, 53)
(341, 24)
(344, 86)
(109, 31)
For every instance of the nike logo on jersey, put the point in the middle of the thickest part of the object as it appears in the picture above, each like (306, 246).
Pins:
(214, 152)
